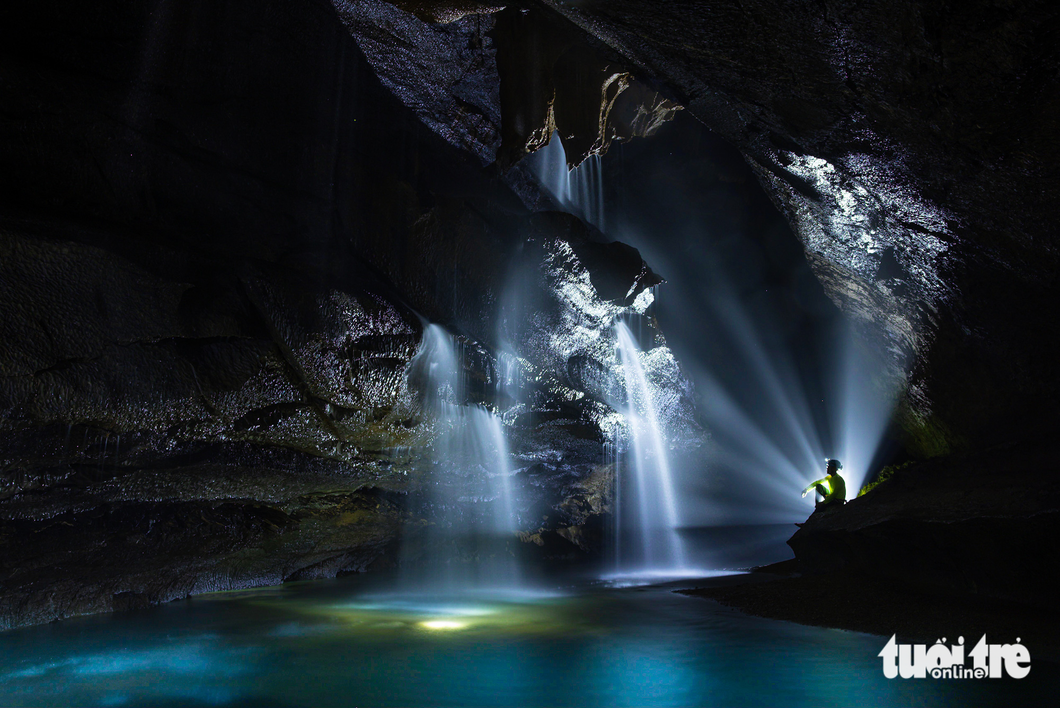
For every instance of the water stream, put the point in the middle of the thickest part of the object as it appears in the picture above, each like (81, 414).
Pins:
(647, 517)
(579, 190)
(468, 539)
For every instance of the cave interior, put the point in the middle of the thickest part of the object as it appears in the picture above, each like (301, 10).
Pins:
(237, 239)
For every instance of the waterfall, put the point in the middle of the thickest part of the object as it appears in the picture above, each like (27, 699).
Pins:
(645, 515)
(579, 191)
(646, 503)
(467, 543)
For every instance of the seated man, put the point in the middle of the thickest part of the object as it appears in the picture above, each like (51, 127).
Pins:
(832, 487)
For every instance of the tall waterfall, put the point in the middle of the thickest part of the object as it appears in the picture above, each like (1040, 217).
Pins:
(468, 542)
(646, 503)
(646, 515)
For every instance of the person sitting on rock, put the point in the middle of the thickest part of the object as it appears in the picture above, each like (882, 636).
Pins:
(832, 487)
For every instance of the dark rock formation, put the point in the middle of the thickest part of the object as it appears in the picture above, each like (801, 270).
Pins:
(198, 373)
(553, 80)
(860, 603)
(944, 547)
(446, 11)
(219, 233)
(912, 145)
(439, 60)
(961, 526)
(499, 81)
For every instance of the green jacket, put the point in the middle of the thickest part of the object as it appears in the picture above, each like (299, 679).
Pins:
(836, 486)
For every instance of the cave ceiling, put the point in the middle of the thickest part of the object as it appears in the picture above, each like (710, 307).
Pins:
(912, 146)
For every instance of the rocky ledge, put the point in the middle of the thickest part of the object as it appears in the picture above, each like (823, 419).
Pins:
(956, 546)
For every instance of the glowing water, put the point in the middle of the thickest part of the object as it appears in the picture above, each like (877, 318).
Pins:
(327, 644)
(466, 543)
(501, 479)
(649, 507)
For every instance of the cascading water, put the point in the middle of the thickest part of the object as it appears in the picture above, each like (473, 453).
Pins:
(466, 544)
(646, 517)
(646, 503)
(579, 190)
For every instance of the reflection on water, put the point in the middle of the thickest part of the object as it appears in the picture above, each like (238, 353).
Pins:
(656, 577)
(350, 642)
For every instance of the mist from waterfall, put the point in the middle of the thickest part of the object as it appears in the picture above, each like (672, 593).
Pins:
(469, 539)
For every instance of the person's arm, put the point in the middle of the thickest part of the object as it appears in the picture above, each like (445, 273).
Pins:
(814, 484)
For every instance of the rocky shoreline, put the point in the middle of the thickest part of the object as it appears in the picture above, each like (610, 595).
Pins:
(946, 547)
(859, 603)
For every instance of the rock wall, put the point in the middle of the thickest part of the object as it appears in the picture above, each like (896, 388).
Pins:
(912, 145)
(220, 237)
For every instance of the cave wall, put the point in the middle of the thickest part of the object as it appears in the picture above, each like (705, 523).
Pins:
(910, 145)
(221, 224)
(913, 146)
(197, 368)
(220, 237)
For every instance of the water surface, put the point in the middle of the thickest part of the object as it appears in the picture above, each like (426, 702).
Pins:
(354, 642)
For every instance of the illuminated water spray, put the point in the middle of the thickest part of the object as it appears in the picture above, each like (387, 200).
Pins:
(776, 407)
(647, 517)
(471, 487)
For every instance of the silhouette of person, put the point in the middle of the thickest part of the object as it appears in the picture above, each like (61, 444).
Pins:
(832, 487)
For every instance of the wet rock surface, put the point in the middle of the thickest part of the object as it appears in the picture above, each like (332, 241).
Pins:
(218, 251)
(437, 58)
(911, 145)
